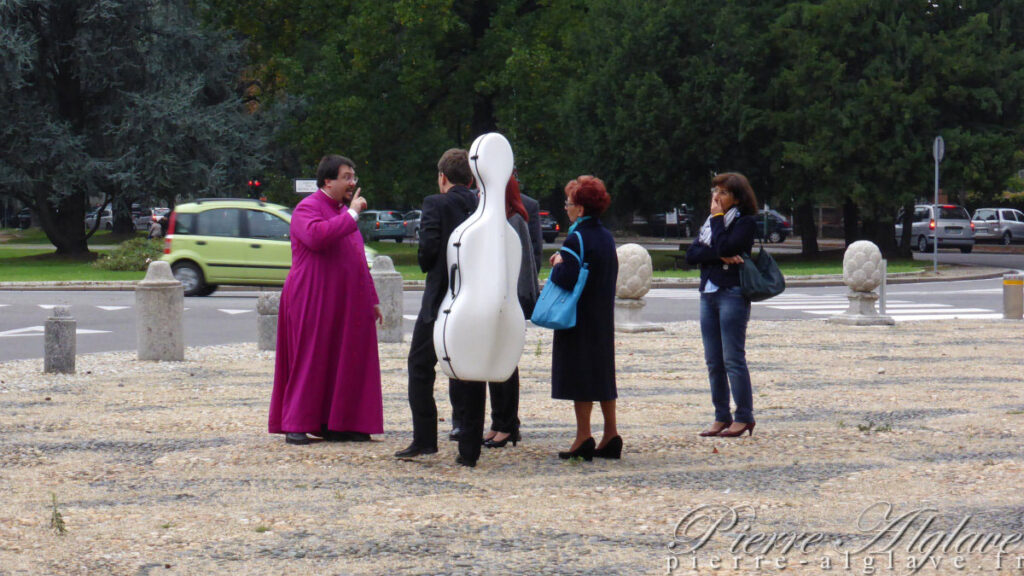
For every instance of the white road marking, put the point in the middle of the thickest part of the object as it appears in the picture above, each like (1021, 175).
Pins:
(232, 311)
(40, 330)
(113, 308)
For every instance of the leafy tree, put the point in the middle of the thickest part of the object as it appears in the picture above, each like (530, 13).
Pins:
(120, 99)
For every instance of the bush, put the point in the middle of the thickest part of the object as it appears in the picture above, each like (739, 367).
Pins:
(134, 254)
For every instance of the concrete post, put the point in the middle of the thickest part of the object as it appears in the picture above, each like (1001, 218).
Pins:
(59, 342)
(634, 281)
(266, 320)
(388, 284)
(1013, 296)
(159, 305)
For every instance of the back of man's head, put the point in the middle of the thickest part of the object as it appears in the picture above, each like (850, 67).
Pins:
(454, 164)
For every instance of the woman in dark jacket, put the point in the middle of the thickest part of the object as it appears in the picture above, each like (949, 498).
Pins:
(583, 357)
(505, 395)
(724, 310)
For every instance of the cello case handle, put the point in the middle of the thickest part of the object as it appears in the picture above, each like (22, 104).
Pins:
(451, 278)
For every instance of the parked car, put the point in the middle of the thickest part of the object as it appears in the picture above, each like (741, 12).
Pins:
(216, 241)
(684, 225)
(948, 224)
(106, 219)
(24, 218)
(411, 223)
(1003, 225)
(376, 225)
(548, 226)
(772, 227)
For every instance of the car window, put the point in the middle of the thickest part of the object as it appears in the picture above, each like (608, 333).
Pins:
(389, 216)
(953, 213)
(1008, 215)
(1019, 216)
(266, 225)
(922, 215)
(985, 215)
(184, 224)
(219, 222)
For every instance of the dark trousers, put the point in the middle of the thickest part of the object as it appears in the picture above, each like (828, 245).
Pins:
(505, 404)
(422, 363)
(723, 326)
(472, 403)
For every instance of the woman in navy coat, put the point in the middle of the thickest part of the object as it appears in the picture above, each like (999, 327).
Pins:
(583, 357)
(724, 310)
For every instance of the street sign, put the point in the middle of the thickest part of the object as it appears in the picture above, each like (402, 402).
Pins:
(938, 149)
(671, 218)
(305, 186)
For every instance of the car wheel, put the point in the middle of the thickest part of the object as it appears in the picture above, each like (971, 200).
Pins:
(966, 249)
(922, 244)
(207, 290)
(1007, 239)
(191, 278)
(109, 226)
(775, 237)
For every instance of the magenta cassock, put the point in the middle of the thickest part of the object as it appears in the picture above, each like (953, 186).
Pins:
(327, 370)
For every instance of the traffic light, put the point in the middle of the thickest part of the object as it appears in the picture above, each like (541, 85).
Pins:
(254, 189)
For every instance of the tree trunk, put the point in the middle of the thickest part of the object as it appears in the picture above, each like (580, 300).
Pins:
(123, 222)
(63, 223)
(851, 232)
(808, 232)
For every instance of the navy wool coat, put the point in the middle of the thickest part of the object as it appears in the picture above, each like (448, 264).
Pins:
(583, 357)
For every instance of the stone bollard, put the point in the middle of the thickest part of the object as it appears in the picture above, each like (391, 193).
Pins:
(634, 281)
(1013, 296)
(862, 272)
(266, 319)
(159, 305)
(388, 284)
(59, 341)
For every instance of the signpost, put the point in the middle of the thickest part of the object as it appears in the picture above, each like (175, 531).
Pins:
(938, 151)
(305, 186)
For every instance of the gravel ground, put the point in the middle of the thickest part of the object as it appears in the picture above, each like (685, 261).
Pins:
(166, 468)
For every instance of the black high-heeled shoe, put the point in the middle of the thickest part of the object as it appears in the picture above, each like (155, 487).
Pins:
(585, 451)
(611, 450)
(747, 427)
(514, 437)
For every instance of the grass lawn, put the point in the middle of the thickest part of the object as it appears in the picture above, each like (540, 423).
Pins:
(44, 266)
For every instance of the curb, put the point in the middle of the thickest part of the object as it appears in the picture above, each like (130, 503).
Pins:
(417, 285)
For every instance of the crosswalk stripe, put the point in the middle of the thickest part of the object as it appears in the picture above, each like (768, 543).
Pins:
(932, 311)
(913, 317)
(40, 330)
(232, 311)
(888, 306)
(113, 308)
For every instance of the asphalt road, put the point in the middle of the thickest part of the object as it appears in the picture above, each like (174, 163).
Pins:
(106, 320)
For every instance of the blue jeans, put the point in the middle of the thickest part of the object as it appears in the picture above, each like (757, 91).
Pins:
(723, 327)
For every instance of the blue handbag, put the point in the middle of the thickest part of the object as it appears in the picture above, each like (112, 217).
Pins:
(556, 307)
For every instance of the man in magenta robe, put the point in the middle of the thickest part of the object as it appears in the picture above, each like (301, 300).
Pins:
(327, 373)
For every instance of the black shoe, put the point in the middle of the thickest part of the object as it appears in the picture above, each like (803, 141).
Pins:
(332, 436)
(612, 450)
(465, 462)
(413, 451)
(455, 434)
(514, 438)
(296, 438)
(585, 451)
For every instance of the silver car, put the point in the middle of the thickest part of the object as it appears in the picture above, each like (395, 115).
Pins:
(948, 223)
(1001, 224)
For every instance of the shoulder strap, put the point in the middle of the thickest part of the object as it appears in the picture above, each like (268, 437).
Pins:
(578, 257)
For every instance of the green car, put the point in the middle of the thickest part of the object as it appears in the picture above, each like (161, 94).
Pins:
(216, 241)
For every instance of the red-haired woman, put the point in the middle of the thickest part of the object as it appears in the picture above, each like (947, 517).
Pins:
(505, 395)
(583, 357)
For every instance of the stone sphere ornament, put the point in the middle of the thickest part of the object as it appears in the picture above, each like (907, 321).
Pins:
(862, 266)
(635, 272)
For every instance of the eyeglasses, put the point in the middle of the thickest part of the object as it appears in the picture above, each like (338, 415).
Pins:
(346, 178)
(568, 203)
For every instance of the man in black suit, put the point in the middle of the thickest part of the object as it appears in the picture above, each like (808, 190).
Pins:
(533, 211)
(442, 213)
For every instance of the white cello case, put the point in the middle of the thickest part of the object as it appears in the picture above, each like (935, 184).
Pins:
(480, 330)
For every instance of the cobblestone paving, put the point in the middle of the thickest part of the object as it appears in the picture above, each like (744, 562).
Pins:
(166, 468)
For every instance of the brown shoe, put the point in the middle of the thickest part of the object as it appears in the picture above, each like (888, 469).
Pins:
(716, 428)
